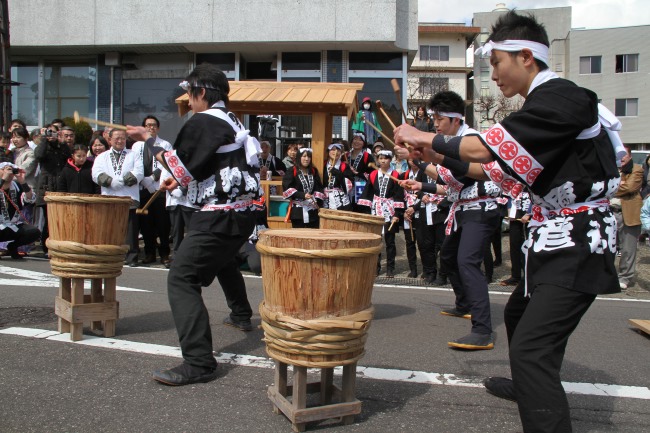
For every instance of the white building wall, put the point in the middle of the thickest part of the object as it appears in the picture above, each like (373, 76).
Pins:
(609, 85)
(144, 22)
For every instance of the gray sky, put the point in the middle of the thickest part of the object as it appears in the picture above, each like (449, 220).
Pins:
(591, 14)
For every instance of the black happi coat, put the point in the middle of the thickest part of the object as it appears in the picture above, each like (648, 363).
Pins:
(572, 240)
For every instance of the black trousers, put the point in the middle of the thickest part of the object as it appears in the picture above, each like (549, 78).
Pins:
(517, 236)
(132, 238)
(201, 257)
(462, 254)
(391, 248)
(26, 234)
(538, 330)
(430, 238)
(154, 225)
(410, 238)
(180, 218)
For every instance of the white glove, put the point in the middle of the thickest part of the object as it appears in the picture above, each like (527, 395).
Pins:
(150, 184)
(177, 193)
(117, 183)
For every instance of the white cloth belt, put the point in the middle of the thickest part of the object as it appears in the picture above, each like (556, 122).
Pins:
(612, 125)
(235, 205)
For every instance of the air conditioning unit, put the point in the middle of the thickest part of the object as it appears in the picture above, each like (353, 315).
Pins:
(112, 58)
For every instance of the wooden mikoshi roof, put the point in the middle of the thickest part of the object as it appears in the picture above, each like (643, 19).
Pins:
(288, 98)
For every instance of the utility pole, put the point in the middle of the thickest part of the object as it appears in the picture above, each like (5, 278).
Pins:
(5, 66)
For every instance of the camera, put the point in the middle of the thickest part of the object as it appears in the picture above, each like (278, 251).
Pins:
(15, 170)
(49, 133)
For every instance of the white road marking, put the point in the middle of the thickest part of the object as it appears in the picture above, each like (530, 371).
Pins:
(41, 279)
(394, 375)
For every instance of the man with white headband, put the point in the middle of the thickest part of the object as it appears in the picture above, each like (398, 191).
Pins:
(473, 218)
(563, 151)
(215, 161)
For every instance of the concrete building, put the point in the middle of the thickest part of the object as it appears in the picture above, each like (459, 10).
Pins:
(608, 61)
(119, 60)
(614, 64)
(486, 94)
(440, 63)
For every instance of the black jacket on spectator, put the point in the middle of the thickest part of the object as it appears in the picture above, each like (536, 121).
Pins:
(77, 179)
(52, 157)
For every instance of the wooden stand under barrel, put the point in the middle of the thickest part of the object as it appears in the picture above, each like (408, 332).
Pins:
(86, 240)
(315, 314)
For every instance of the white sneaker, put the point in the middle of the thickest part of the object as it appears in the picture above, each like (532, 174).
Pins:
(622, 285)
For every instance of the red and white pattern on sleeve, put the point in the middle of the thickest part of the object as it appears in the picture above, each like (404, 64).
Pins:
(508, 184)
(449, 179)
(178, 169)
(512, 153)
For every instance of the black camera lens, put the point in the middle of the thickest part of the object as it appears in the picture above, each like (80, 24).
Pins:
(15, 170)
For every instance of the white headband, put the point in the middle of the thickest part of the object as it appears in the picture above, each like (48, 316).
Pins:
(304, 149)
(387, 153)
(338, 146)
(448, 114)
(540, 51)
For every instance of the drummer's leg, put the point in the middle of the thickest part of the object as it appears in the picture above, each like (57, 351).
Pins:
(193, 268)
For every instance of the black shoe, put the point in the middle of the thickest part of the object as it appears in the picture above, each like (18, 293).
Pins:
(440, 281)
(242, 325)
(509, 282)
(185, 374)
(133, 264)
(15, 255)
(148, 259)
(413, 274)
(390, 273)
(500, 387)
(430, 280)
(473, 341)
(456, 313)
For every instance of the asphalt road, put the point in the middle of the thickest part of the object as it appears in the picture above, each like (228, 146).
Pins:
(53, 385)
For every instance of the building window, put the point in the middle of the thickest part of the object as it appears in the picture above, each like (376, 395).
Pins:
(627, 63)
(434, 52)
(429, 86)
(375, 61)
(157, 97)
(627, 107)
(70, 88)
(224, 61)
(24, 98)
(590, 65)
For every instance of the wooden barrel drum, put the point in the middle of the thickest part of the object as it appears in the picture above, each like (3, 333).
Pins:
(317, 294)
(87, 233)
(352, 221)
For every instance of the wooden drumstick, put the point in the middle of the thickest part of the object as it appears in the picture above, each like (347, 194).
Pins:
(390, 122)
(398, 93)
(390, 227)
(378, 131)
(144, 210)
(383, 112)
(78, 118)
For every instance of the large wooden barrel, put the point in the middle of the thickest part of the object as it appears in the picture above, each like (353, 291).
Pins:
(352, 221)
(87, 234)
(317, 294)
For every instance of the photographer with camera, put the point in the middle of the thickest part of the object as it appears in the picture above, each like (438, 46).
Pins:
(13, 225)
(52, 156)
